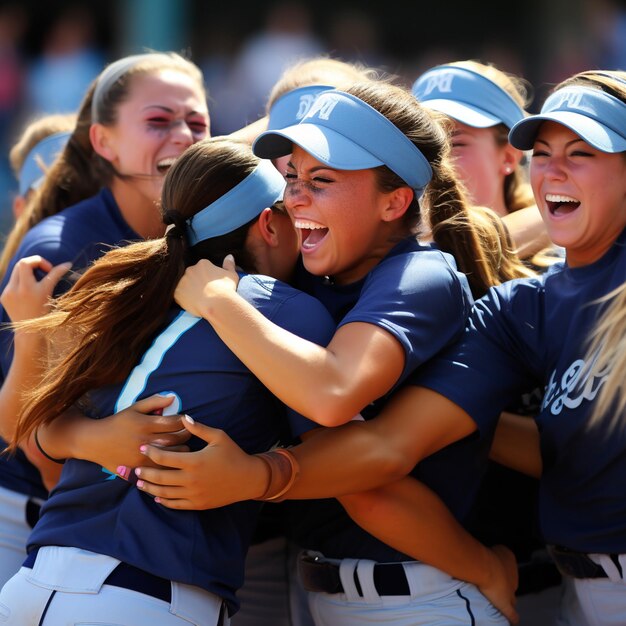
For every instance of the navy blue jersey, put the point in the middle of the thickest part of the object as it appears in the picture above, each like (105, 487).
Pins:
(94, 510)
(81, 233)
(533, 331)
(417, 295)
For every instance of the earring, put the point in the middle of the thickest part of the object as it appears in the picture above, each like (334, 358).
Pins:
(507, 169)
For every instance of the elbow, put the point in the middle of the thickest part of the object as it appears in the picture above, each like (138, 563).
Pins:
(332, 409)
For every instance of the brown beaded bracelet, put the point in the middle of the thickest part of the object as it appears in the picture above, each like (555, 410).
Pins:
(284, 470)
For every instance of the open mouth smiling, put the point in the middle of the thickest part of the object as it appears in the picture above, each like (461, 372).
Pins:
(312, 233)
(559, 204)
(164, 164)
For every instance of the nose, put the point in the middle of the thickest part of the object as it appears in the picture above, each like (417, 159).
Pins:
(181, 133)
(295, 195)
(554, 168)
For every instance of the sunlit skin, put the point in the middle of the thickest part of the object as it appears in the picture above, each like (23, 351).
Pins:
(483, 164)
(355, 223)
(164, 114)
(564, 167)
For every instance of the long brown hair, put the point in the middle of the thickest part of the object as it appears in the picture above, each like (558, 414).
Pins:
(79, 172)
(444, 199)
(124, 298)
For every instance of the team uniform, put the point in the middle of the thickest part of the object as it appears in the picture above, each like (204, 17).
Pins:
(93, 521)
(81, 234)
(418, 296)
(530, 332)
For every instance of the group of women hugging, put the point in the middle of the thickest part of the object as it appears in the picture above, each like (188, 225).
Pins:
(344, 366)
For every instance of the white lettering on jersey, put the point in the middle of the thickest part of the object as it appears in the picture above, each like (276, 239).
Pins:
(579, 382)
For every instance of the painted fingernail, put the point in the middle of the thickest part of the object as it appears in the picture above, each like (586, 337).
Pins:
(143, 448)
(140, 484)
(189, 419)
(157, 500)
(123, 471)
(138, 471)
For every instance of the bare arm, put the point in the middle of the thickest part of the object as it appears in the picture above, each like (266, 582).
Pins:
(516, 444)
(333, 461)
(328, 385)
(409, 517)
(527, 230)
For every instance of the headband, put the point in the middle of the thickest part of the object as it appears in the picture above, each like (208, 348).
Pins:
(290, 108)
(42, 154)
(109, 76)
(345, 133)
(467, 96)
(595, 116)
(245, 201)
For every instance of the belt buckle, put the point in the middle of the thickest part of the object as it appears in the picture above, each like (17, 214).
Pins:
(575, 564)
(317, 575)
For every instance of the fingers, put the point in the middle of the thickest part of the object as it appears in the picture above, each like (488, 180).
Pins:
(56, 273)
(206, 433)
(172, 440)
(164, 458)
(153, 403)
(229, 263)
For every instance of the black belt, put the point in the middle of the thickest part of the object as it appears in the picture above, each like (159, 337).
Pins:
(129, 577)
(317, 575)
(578, 564)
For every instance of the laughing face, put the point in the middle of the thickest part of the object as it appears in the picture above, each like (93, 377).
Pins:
(339, 215)
(164, 113)
(580, 191)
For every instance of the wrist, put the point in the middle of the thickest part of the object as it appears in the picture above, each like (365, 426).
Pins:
(283, 470)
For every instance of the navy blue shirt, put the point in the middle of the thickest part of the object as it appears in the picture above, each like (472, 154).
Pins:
(94, 510)
(80, 234)
(533, 331)
(416, 294)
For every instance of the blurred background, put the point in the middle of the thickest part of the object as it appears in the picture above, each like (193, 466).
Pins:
(51, 50)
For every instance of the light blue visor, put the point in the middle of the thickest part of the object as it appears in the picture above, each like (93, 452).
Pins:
(245, 201)
(467, 96)
(293, 106)
(595, 116)
(40, 157)
(345, 133)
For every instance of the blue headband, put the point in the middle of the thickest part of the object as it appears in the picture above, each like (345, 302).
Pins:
(595, 116)
(245, 201)
(467, 96)
(293, 106)
(345, 133)
(41, 155)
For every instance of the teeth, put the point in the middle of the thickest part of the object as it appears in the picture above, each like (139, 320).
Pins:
(168, 162)
(307, 225)
(553, 197)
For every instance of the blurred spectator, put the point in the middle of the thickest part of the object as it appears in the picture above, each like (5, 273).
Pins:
(287, 37)
(69, 61)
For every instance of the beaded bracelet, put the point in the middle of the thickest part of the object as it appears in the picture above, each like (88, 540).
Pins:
(284, 471)
(44, 453)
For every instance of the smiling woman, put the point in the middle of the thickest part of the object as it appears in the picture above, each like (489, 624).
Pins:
(140, 113)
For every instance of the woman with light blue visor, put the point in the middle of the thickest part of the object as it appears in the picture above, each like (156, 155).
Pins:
(483, 103)
(522, 334)
(103, 551)
(364, 163)
(41, 142)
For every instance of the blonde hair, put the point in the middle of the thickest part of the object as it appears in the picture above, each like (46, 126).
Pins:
(607, 353)
(79, 172)
(607, 342)
(36, 131)
(320, 71)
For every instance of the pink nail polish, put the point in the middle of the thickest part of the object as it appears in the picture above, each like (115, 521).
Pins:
(122, 471)
(138, 471)
(143, 448)
(140, 484)
(157, 500)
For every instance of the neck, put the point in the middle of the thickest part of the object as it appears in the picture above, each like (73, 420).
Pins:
(139, 210)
